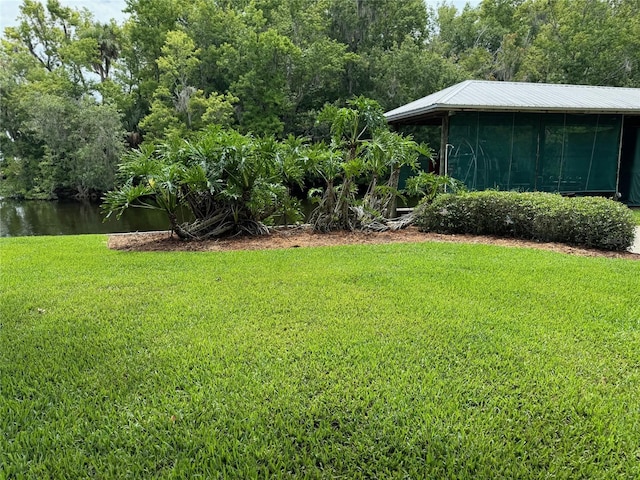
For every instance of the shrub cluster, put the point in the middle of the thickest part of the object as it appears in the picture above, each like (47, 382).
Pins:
(589, 221)
(229, 183)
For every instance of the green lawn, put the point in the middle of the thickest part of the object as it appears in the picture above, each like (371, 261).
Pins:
(636, 213)
(386, 361)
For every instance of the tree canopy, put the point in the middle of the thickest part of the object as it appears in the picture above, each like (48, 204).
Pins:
(75, 92)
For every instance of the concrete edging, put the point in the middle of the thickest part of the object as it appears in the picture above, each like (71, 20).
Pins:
(635, 248)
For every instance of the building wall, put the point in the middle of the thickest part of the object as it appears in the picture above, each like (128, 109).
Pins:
(629, 184)
(564, 153)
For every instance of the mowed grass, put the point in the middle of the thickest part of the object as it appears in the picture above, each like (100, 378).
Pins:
(386, 361)
(636, 213)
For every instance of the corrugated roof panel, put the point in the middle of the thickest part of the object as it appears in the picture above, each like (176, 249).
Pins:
(520, 96)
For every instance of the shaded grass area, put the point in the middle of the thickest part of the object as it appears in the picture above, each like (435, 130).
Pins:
(636, 214)
(386, 361)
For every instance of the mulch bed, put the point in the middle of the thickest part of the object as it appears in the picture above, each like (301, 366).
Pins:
(299, 237)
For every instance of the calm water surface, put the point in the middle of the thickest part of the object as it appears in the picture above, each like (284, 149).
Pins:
(23, 218)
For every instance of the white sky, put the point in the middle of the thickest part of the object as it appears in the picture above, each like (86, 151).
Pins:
(104, 10)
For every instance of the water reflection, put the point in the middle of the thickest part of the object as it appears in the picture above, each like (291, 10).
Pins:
(71, 218)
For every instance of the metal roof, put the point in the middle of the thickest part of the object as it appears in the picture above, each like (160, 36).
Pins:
(480, 95)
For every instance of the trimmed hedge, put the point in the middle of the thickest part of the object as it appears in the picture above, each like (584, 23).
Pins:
(589, 221)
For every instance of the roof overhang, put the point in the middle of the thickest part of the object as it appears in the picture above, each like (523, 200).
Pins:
(484, 96)
(438, 113)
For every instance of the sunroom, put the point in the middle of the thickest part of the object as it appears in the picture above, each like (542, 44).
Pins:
(572, 139)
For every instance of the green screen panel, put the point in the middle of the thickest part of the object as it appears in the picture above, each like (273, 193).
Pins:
(605, 155)
(634, 191)
(581, 133)
(462, 159)
(547, 152)
(495, 131)
(524, 146)
(552, 142)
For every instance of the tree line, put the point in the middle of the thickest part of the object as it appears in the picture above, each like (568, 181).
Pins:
(76, 94)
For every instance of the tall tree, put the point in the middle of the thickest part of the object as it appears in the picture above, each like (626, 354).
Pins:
(259, 66)
(584, 42)
(61, 139)
(362, 24)
(564, 41)
(150, 20)
(409, 71)
(108, 39)
(179, 106)
(82, 142)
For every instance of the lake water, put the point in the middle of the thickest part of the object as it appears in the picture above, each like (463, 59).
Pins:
(34, 217)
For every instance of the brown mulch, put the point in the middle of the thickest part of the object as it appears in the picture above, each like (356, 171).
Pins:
(305, 237)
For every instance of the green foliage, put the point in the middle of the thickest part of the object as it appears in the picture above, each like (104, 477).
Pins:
(178, 60)
(429, 185)
(408, 71)
(591, 42)
(316, 362)
(106, 40)
(365, 25)
(259, 64)
(162, 120)
(61, 140)
(178, 107)
(20, 151)
(587, 43)
(228, 182)
(232, 183)
(83, 142)
(362, 152)
(147, 29)
(589, 221)
(175, 67)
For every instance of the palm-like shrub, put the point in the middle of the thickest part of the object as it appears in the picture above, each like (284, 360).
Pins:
(362, 152)
(228, 183)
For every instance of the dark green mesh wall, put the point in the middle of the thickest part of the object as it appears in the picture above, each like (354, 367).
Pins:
(429, 134)
(634, 191)
(548, 152)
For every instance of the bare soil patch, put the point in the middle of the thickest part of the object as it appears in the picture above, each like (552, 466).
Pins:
(299, 237)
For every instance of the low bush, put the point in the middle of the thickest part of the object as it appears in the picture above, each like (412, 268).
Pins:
(589, 221)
